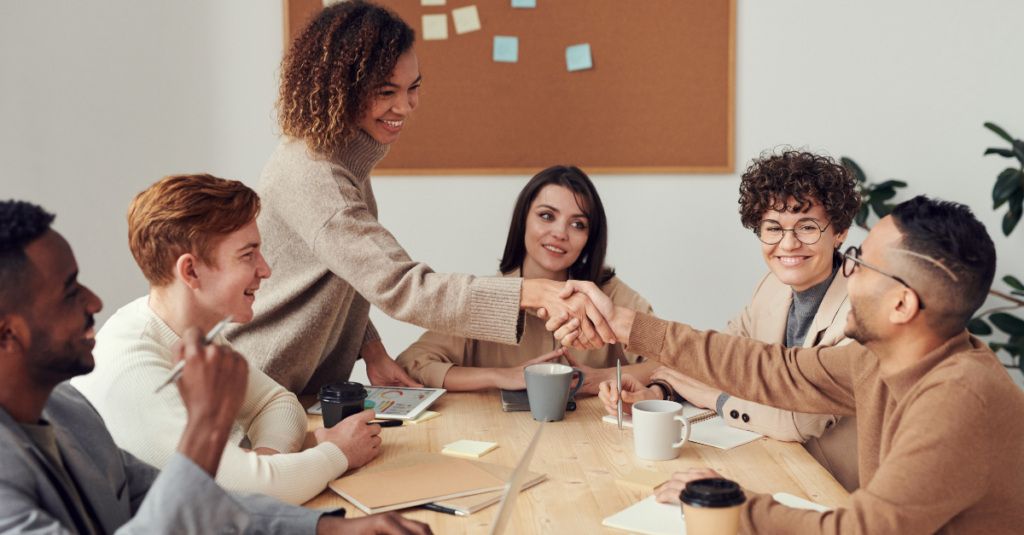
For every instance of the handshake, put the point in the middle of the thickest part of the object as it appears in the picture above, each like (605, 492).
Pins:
(578, 312)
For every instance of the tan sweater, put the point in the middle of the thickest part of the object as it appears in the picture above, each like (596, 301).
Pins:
(133, 356)
(429, 359)
(941, 443)
(331, 259)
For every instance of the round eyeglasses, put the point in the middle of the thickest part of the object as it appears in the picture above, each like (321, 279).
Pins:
(806, 231)
(851, 259)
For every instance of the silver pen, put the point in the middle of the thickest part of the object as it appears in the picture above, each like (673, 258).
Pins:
(176, 370)
(618, 384)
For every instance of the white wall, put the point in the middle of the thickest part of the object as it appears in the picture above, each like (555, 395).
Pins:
(100, 99)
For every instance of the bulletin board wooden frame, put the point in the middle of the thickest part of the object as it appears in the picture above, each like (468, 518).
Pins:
(659, 99)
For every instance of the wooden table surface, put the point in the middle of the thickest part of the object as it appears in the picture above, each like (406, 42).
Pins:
(582, 457)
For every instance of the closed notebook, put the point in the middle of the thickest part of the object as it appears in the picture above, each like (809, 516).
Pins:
(409, 486)
(705, 428)
(648, 517)
(465, 504)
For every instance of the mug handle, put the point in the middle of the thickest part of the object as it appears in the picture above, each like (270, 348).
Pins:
(579, 385)
(686, 432)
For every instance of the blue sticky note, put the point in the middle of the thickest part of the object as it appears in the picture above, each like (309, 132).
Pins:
(524, 3)
(506, 49)
(577, 57)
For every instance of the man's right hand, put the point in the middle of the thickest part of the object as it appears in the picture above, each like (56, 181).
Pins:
(359, 442)
(212, 387)
(632, 392)
(382, 524)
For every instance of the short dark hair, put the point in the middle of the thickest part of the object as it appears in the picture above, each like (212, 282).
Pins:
(772, 179)
(20, 224)
(948, 233)
(590, 264)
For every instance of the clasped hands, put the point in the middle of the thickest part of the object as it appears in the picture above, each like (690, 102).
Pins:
(579, 313)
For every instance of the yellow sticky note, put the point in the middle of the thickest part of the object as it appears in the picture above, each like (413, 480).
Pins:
(643, 480)
(435, 27)
(431, 2)
(424, 416)
(466, 19)
(468, 448)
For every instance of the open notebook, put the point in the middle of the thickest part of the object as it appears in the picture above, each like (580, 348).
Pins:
(706, 428)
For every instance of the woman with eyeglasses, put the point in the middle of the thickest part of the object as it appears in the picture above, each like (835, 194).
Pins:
(800, 206)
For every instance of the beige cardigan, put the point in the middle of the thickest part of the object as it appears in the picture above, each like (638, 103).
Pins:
(940, 442)
(830, 439)
(331, 259)
(429, 358)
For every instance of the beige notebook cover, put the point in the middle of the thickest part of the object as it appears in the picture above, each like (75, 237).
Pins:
(409, 486)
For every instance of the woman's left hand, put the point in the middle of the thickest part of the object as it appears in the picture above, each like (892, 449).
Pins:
(382, 370)
(691, 389)
(670, 491)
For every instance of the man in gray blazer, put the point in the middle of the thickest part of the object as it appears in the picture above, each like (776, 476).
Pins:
(61, 471)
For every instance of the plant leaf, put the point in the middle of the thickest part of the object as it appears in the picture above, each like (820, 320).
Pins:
(881, 209)
(995, 346)
(1011, 218)
(1002, 152)
(1018, 150)
(1007, 323)
(862, 216)
(978, 327)
(999, 131)
(853, 168)
(1016, 293)
(891, 184)
(1006, 184)
(882, 194)
(1013, 282)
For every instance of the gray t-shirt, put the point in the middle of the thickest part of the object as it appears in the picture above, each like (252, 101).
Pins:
(42, 435)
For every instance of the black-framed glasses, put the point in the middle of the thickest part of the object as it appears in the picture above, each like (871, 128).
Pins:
(852, 257)
(806, 231)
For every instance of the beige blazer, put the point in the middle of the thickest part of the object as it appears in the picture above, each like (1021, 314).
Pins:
(830, 439)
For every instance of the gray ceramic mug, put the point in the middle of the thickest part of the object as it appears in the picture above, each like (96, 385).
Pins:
(547, 386)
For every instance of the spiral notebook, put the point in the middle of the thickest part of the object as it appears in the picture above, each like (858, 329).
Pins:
(705, 428)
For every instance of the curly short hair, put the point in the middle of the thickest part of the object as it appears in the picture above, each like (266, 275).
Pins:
(333, 70)
(185, 214)
(806, 178)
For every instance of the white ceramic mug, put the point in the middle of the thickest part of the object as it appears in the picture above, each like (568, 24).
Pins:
(657, 425)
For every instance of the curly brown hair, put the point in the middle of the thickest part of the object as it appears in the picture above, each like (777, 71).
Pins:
(807, 178)
(334, 69)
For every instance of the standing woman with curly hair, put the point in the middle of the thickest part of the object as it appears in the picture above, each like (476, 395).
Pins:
(800, 206)
(348, 84)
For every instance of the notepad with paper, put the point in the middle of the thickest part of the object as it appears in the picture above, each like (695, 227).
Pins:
(706, 428)
(409, 486)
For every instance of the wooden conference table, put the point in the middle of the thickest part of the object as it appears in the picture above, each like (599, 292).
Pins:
(582, 457)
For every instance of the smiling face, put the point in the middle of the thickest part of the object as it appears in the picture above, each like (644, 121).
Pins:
(228, 286)
(556, 232)
(395, 101)
(60, 318)
(798, 264)
(870, 291)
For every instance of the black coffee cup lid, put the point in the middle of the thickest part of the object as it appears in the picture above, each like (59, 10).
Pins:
(341, 392)
(712, 493)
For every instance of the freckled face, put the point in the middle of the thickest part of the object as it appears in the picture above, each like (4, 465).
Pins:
(394, 101)
(229, 286)
(556, 233)
(796, 263)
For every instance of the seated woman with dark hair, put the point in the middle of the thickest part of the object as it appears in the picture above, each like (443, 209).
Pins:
(800, 206)
(558, 232)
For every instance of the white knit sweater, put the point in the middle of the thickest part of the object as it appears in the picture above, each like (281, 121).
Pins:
(133, 356)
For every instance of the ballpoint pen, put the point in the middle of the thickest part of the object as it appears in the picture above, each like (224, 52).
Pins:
(176, 370)
(387, 423)
(618, 385)
(440, 509)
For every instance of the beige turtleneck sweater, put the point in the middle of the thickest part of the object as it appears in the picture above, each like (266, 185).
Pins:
(331, 259)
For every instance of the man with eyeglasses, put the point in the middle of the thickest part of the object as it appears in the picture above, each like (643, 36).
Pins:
(940, 428)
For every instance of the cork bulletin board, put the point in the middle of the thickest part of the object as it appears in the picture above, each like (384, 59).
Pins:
(660, 97)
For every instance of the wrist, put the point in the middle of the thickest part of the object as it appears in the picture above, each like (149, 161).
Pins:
(204, 444)
(531, 295)
(372, 351)
(622, 324)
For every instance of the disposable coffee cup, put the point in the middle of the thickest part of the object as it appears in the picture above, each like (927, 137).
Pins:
(341, 400)
(712, 507)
